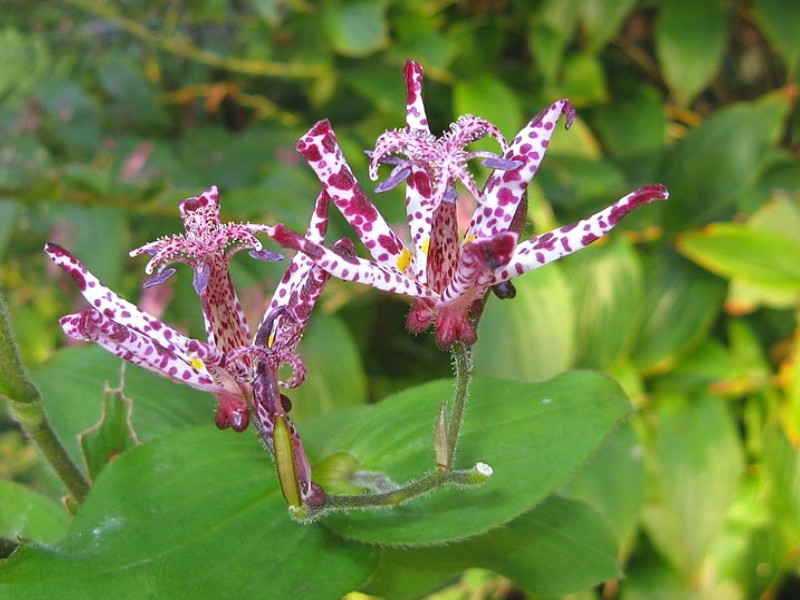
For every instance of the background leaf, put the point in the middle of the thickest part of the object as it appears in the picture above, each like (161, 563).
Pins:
(690, 39)
(532, 336)
(699, 463)
(559, 547)
(705, 169)
(758, 256)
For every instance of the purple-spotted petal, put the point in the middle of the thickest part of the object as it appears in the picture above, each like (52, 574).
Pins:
(322, 151)
(551, 246)
(504, 188)
(415, 108)
(138, 348)
(113, 306)
(353, 268)
(478, 262)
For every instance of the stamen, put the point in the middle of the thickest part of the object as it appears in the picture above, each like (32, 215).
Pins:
(201, 277)
(159, 278)
(503, 164)
(398, 175)
(266, 255)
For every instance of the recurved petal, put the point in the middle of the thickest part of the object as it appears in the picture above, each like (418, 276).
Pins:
(550, 246)
(113, 306)
(138, 348)
(504, 188)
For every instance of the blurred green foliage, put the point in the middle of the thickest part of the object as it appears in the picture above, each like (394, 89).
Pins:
(112, 112)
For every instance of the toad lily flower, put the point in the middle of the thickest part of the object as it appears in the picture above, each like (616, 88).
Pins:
(448, 275)
(239, 373)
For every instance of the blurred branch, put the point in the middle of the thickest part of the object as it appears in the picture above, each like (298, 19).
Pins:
(181, 47)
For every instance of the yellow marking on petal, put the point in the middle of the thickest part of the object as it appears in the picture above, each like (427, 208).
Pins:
(469, 238)
(271, 340)
(404, 260)
(426, 245)
(197, 364)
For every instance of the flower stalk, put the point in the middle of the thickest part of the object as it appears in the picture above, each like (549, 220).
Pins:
(448, 428)
(26, 408)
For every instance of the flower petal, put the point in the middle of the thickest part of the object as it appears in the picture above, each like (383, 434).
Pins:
(504, 188)
(298, 291)
(322, 151)
(477, 264)
(353, 268)
(550, 246)
(415, 107)
(138, 348)
(113, 306)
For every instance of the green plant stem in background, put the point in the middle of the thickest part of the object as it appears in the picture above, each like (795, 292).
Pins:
(443, 476)
(26, 408)
(180, 47)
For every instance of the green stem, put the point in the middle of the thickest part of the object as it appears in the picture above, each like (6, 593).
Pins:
(427, 483)
(448, 430)
(462, 357)
(26, 408)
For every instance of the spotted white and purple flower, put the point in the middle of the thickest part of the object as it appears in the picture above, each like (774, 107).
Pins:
(239, 370)
(448, 274)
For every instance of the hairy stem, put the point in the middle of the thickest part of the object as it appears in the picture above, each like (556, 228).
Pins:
(447, 432)
(26, 408)
(462, 357)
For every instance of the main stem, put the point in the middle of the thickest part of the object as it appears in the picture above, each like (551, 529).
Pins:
(462, 357)
(26, 408)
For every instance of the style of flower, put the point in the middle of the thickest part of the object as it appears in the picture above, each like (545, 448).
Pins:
(448, 275)
(239, 372)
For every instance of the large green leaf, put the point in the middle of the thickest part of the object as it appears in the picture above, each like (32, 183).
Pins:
(698, 458)
(561, 546)
(72, 384)
(532, 336)
(355, 28)
(690, 39)
(619, 465)
(706, 169)
(680, 305)
(196, 514)
(607, 288)
(758, 256)
(534, 436)
(27, 515)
